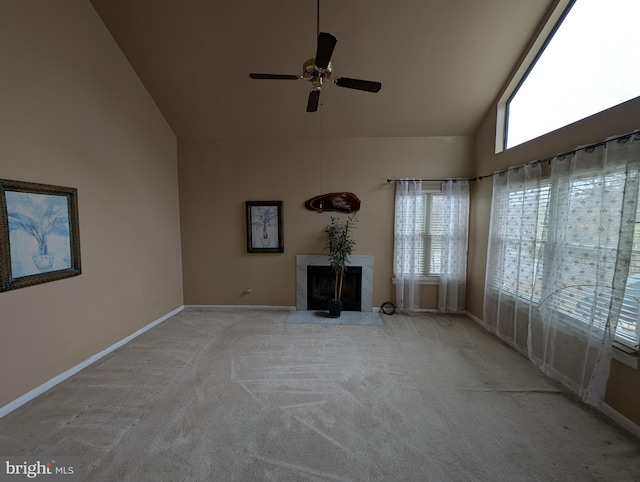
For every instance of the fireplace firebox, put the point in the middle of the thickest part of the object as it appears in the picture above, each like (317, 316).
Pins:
(303, 261)
(321, 288)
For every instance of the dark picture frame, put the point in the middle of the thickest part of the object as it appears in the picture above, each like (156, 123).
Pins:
(264, 227)
(39, 234)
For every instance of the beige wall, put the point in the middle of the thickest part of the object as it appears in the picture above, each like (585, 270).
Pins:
(74, 114)
(623, 389)
(217, 177)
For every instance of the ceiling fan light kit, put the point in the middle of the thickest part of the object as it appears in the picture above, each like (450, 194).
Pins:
(319, 70)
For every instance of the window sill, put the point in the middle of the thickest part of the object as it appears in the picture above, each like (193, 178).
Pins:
(626, 356)
(426, 280)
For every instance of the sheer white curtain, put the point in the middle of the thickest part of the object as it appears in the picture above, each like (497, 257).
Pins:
(455, 241)
(518, 208)
(409, 222)
(558, 261)
(586, 265)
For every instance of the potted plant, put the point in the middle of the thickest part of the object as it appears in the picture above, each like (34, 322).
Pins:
(340, 244)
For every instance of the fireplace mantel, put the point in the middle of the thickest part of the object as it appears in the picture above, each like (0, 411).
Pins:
(304, 260)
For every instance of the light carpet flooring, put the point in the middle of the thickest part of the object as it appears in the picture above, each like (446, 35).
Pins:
(245, 395)
(345, 318)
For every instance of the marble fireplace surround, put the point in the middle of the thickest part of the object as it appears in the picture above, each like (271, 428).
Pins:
(304, 260)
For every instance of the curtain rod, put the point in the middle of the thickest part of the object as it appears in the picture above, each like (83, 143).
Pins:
(454, 179)
(532, 163)
(563, 154)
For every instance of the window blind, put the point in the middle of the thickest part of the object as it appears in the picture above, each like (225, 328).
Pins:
(429, 227)
(524, 232)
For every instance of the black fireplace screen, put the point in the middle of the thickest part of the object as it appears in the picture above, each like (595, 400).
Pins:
(321, 287)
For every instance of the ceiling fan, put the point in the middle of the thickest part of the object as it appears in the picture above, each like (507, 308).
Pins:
(319, 70)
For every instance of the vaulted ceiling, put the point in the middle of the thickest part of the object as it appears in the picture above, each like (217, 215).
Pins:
(441, 62)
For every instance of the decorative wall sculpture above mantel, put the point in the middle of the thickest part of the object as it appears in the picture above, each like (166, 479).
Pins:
(345, 202)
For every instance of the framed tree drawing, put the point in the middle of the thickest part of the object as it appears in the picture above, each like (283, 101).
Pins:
(39, 234)
(264, 227)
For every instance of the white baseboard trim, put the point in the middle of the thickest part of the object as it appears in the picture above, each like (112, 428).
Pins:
(620, 419)
(474, 318)
(241, 307)
(27, 397)
(375, 309)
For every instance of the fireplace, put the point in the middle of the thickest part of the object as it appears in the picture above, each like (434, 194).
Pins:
(365, 265)
(321, 282)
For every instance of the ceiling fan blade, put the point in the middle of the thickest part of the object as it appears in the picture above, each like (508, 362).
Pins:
(326, 44)
(274, 76)
(314, 98)
(358, 84)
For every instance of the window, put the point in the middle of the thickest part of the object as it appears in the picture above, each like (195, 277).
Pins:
(627, 331)
(428, 256)
(523, 231)
(522, 234)
(431, 259)
(586, 255)
(586, 64)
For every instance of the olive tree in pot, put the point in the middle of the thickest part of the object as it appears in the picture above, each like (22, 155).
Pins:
(340, 244)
